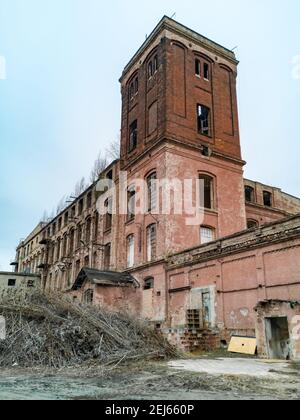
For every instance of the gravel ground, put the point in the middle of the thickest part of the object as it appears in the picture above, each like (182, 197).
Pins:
(176, 380)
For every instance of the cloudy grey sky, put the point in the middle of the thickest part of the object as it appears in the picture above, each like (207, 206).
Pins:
(60, 101)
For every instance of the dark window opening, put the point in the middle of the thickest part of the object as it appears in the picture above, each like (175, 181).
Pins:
(251, 224)
(80, 207)
(204, 120)
(66, 218)
(89, 200)
(30, 283)
(149, 283)
(267, 199)
(198, 67)
(12, 282)
(109, 175)
(133, 137)
(206, 191)
(108, 215)
(249, 194)
(206, 71)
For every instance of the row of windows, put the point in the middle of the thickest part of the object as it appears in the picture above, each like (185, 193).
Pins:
(250, 196)
(70, 216)
(204, 126)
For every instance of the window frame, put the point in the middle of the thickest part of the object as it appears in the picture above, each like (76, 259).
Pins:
(204, 130)
(211, 238)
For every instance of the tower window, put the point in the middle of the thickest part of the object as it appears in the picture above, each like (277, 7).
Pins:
(249, 194)
(107, 256)
(198, 67)
(207, 234)
(206, 71)
(267, 199)
(108, 215)
(152, 192)
(204, 120)
(206, 191)
(133, 136)
(130, 203)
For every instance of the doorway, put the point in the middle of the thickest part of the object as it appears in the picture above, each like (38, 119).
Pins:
(278, 338)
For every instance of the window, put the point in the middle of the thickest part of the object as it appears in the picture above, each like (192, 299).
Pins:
(72, 241)
(149, 283)
(252, 224)
(88, 297)
(152, 192)
(66, 218)
(155, 64)
(207, 234)
(80, 207)
(204, 120)
(267, 199)
(96, 225)
(130, 204)
(65, 244)
(206, 71)
(88, 229)
(73, 212)
(108, 215)
(12, 282)
(107, 256)
(249, 194)
(130, 251)
(77, 268)
(131, 91)
(198, 67)
(133, 137)
(134, 88)
(58, 249)
(59, 223)
(150, 69)
(86, 261)
(152, 66)
(151, 243)
(206, 191)
(79, 236)
(53, 229)
(89, 200)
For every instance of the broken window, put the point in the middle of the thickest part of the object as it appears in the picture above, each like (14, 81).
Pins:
(152, 192)
(149, 283)
(151, 242)
(207, 234)
(206, 71)
(198, 67)
(107, 256)
(130, 251)
(133, 136)
(204, 120)
(267, 199)
(130, 203)
(206, 192)
(249, 194)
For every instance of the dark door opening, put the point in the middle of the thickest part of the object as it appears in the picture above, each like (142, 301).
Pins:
(278, 338)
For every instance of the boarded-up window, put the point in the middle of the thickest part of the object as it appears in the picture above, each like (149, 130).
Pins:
(152, 123)
(151, 242)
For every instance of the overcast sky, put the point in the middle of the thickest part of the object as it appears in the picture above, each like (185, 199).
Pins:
(60, 101)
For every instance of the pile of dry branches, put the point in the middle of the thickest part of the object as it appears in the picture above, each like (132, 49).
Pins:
(48, 330)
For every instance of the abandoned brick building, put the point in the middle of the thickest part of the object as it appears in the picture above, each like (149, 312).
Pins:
(198, 283)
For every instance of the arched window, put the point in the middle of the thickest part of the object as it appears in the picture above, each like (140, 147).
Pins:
(149, 283)
(108, 214)
(206, 191)
(207, 234)
(151, 242)
(251, 224)
(152, 192)
(130, 251)
(249, 194)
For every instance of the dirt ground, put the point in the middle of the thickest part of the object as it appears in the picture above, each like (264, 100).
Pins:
(196, 378)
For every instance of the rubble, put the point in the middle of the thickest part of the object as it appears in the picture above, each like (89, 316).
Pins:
(49, 330)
